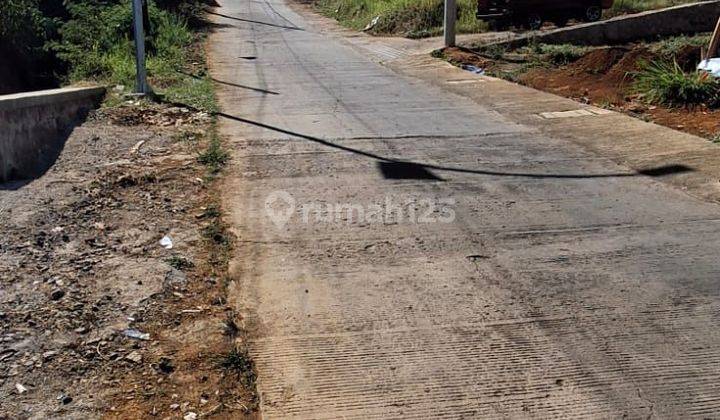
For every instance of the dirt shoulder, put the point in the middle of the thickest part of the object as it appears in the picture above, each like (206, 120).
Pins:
(98, 318)
(602, 77)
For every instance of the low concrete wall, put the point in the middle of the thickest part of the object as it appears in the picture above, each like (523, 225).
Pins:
(35, 125)
(685, 19)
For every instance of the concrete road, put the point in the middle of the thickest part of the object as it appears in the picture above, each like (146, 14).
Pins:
(405, 252)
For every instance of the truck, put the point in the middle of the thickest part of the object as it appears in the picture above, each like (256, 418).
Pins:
(531, 14)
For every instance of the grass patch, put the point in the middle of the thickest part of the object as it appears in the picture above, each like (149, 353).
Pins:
(180, 263)
(514, 74)
(196, 92)
(670, 47)
(215, 233)
(561, 54)
(215, 156)
(667, 84)
(412, 18)
(239, 362)
(621, 7)
(493, 51)
(211, 212)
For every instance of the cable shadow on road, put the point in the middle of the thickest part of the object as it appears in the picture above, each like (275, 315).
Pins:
(274, 25)
(222, 82)
(389, 165)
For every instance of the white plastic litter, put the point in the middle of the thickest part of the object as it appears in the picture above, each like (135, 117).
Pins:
(473, 69)
(711, 65)
(139, 335)
(372, 23)
(166, 242)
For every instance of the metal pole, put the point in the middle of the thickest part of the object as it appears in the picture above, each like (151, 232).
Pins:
(450, 19)
(714, 42)
(141, 83)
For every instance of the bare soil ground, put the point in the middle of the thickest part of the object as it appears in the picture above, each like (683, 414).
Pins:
(81, 267)
(602, 77)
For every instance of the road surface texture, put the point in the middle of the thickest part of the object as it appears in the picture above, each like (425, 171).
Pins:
(407, 252)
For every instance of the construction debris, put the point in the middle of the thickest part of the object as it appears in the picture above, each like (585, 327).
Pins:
(709, 62)
(136, 334)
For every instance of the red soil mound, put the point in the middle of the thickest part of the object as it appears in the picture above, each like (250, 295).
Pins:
(597, 61)
(601, 76)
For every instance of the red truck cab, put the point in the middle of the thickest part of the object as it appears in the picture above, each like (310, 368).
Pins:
(532, 13)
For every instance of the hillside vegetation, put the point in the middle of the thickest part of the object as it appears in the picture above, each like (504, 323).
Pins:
(621, 7)
(412, 18)
(422, 18)
(52, 42)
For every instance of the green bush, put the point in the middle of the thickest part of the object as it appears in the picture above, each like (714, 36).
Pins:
(667, 84)
(97, 42)
(25, 63)
(23, 25)
(73, 40)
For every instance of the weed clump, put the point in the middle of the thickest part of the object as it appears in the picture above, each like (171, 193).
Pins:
(216, 233)
(671, 47)
(562, 54)
(180, 263)
(668, 84)
(240, 362)
(214, 157)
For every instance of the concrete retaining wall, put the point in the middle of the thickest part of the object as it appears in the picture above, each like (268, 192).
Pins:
(35, 125)
(686, 19)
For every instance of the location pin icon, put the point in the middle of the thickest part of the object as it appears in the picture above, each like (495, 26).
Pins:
(280, 206)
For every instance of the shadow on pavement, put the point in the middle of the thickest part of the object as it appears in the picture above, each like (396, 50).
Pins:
(414, 168)
(222, 82)
(291, 28)
(406, 170)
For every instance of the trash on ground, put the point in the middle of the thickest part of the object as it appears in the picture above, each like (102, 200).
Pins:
(710, 65)
(65, 399)
(372, 23)
(132, 333)
(166, 365)
(473, 69)
(166, 242)
(20, 388)
(134, 357)
(136, 148)
(57, 294)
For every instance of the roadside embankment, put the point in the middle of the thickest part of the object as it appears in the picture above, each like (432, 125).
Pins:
(684, 19)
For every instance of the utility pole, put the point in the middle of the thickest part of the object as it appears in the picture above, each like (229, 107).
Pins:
(450, 19)
(141, 81)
